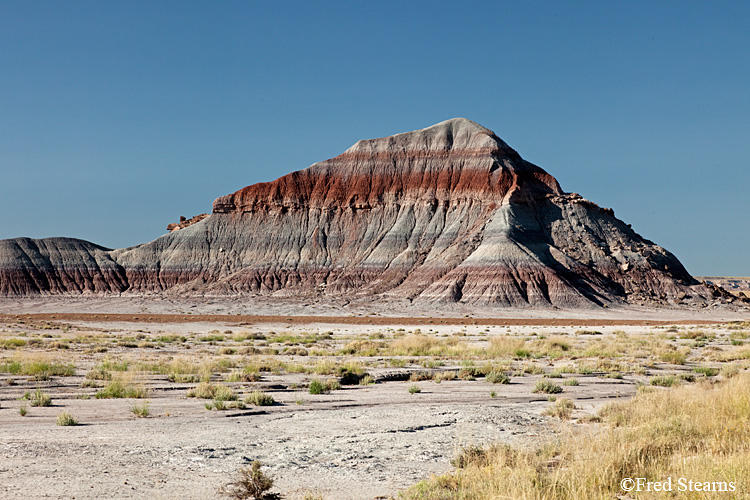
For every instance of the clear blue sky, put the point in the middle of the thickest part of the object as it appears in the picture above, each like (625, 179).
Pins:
(118, 117)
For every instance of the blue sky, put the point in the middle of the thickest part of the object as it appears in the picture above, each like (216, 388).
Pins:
(118, 117)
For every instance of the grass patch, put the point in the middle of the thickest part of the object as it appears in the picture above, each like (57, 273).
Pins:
(323, 387)
(207, 390)
(39, 369)
(118, 389)
(706, 370)
(37, 398)
(259, 398)
(547, 387)
(694, 431)
(663, 380)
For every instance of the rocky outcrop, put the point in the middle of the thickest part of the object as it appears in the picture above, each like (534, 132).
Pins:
(184, 222)
(449, 213)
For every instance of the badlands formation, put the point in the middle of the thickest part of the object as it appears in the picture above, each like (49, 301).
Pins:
(446, 214)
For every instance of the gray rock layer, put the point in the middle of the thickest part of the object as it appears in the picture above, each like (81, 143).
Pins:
(445, 214)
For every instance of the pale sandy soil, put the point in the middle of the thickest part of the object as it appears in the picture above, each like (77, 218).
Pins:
(361, 442)
(288, 307)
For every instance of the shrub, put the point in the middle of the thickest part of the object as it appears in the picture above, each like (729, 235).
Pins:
(497, 378)
(533, 369)
(673, 357)
(259, 398)
(65, 419)
(98, 373)
(207, 390)
(571, 381)
(414, 389)
(251, 483)
(368, 380)
(39, 398)
(705, 370)
(118, 389)
(547, 387)
(140, 411)
(663, 380)
(730, 371)
(318, 387)
(444, 375)
(562, 409)
(220, 404)
(23, 411)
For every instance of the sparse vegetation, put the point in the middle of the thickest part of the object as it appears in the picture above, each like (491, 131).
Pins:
(140, 411)
(562, 409)
(66, 419)
(693, 431)
(119, 389)
(259, 398)
(207, 390)
(251, 483)
(547, 387)
(663, 380)
(497, 378)
(324, 387)
(38, 398)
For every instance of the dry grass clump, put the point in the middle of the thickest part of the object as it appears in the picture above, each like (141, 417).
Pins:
(698, 431)
(38, 367)
(508, 347)
(207, 390)
(250, 484)
(497, 378)
(422, 345)
(259, 398)
(663, 380)
(562, 409)
(323, 387)
(140, 411)
(66, 419)
(547, 387)
(122, 388)
(38, 398)
(362, 348)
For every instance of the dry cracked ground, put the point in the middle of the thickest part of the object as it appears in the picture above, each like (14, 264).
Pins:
(334, 411)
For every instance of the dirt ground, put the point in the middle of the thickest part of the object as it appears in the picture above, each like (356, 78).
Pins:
(358, 442)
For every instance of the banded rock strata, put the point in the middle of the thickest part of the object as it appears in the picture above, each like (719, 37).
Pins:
(449, 213)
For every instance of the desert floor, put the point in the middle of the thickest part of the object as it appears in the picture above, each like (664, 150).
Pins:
(370, 437)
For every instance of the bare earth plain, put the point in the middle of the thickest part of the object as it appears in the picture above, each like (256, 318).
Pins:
(401, 394)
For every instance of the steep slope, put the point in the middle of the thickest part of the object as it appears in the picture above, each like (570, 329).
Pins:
(57, 265)
(449, 213)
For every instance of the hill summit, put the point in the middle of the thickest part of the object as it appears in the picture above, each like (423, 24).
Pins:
(446, 214)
